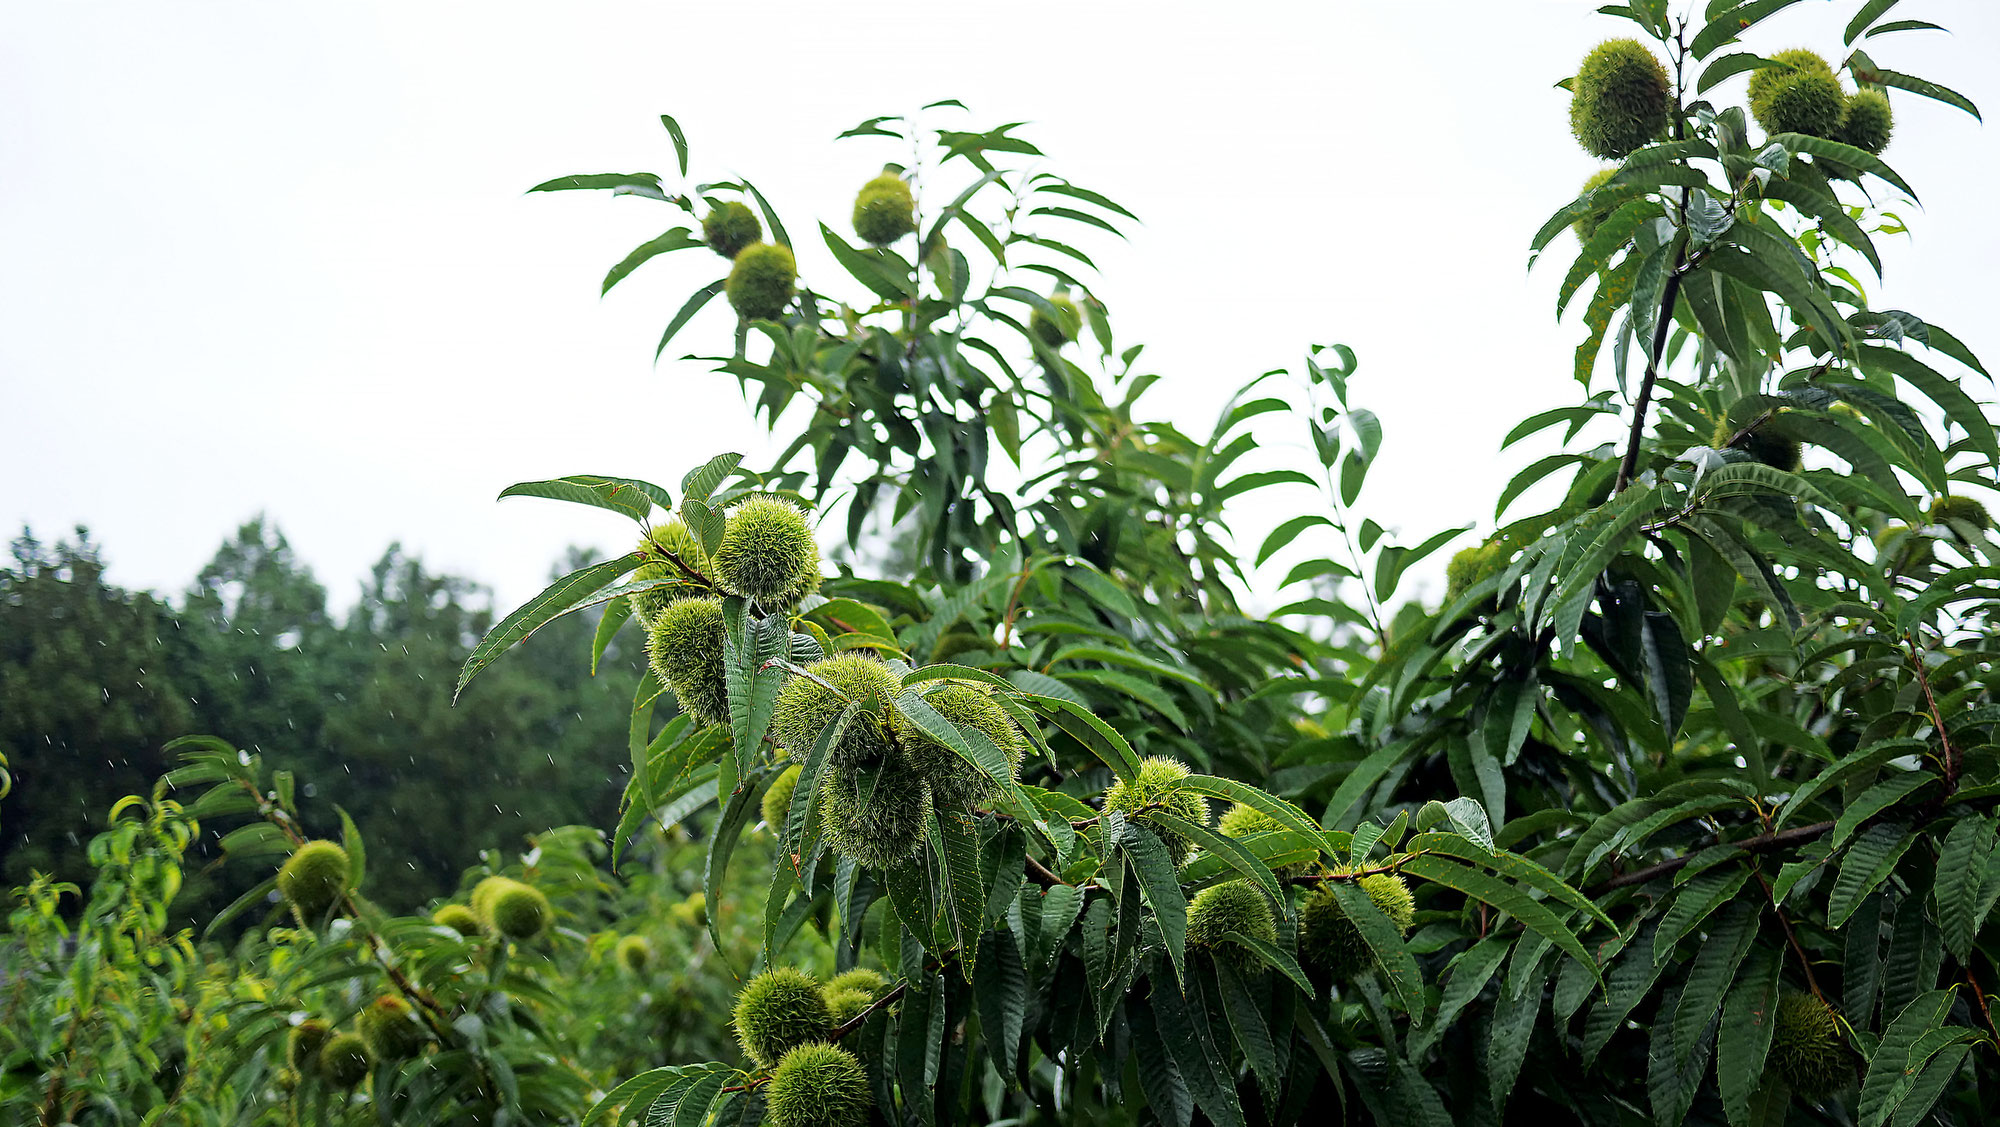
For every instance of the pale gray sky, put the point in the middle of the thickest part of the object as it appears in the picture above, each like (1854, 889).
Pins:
(278, 256)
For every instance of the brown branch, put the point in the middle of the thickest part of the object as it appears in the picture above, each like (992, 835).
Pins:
(1791, 937)
(1669, 294)
(1042, 875)
(1952, 760)
(861, 1019)
(1759, 844)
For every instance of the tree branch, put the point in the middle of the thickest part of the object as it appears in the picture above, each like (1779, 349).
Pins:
(1759, 844)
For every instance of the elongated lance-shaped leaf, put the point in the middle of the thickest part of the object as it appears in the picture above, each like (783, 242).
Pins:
(1271, 806)
(1532, 913)
(1696, 901)
(1230, 851)
(1221, 984)
(955, 839)
(700, 482)
(675, 239)
(1749, 1015)
(580, 588)
(1889, 1076)
(1094, 734)
(1713, 970)
(1185, 1031)
(647, 1088)
(750, 650)
(1868, 863)
(1157, 884)
(1398, 966)
(693, 306)
(626, 495)
(1000, 993)
(737, 807)
(1514, 867)
(1961, 873)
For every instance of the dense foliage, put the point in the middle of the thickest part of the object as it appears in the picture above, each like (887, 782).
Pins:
(1679, 810)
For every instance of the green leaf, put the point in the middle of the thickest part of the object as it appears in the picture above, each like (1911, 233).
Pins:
(678, 238)
(1725, 28)
(750, 649)
(1713, 970)
(1868, 863)
(615, 613)
(738, 805)
(1532, 914)
(626, 495)
(1869, 13)
(680, 141)
(700, 482)
(1889, 792)
(1889, 1077)
(1696, 901)
(693, 306)
(1848, 155)
(1961, 871)
(956, 840)
(1157, 885)
(578, 589)
(879, 270)
(1000, 992)
(1744, 1040)
(618, 183)
(1921, 87)
(1382, 937)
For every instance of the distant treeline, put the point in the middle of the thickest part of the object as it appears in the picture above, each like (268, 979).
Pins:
(94, 679)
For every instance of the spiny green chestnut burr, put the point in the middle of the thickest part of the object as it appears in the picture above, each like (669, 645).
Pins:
(343, 1061)
(1331, 942)
(303, 1043)
(1233, 906)
(1805, 102)
(672, 537)
(846, 1005)
(1960, 510)
(777, 1011)
(314, 878)
(874, 815)
(511, 908)
(458, 918)
(390, 1030)
(1472, 566)
(730, 227)
(818, 1085)
(768, 553)
(1243, 820)
(867, 980)
(1160, 785)
(1618, 99)
(807, 704)
(778, 798)
(1063, 327)
(1868, 122)
(1795, 60)
(1806, 1050)
(684, 648)
(760, 284)
(885, 210)
(634, 954)
(1587, 225)
(955, 783)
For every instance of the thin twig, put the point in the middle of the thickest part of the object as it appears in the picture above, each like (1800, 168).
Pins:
(1791, 937)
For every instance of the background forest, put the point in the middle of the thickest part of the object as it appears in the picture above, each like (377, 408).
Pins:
(96, 680)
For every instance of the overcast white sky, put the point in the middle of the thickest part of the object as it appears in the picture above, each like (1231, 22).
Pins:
(277, 257)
